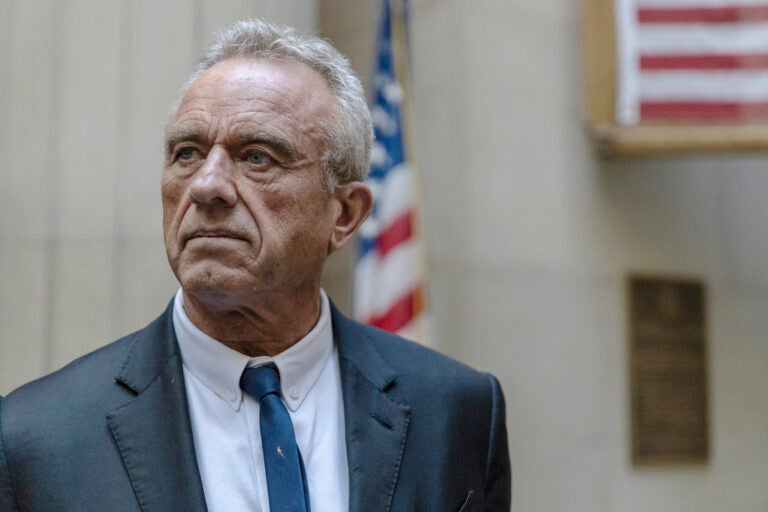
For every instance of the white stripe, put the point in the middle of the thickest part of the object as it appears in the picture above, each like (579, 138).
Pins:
(627, 107)
(704, 85)
(394, 196)
(673, 4)
(379, 283)
(696, 38)
(396, 277)
(365, 285)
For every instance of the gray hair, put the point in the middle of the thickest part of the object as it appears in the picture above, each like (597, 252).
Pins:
(347, 137)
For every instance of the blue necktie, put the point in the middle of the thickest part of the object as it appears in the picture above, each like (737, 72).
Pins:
(286, 478)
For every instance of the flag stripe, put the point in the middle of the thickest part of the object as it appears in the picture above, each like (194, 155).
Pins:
(725, 14)
(703, 62)
(695, 39)
(678, 4)
(395, 195)
(719, 86)
(693, 110)
(399, 231)
(392, 199)
(397, 316)
(388, 278)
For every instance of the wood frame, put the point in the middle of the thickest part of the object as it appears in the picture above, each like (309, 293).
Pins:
(599, 40)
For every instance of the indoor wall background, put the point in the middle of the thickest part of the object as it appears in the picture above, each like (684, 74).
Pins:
(529, 235)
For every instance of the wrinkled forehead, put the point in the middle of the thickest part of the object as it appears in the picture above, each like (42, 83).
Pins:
(284, 87)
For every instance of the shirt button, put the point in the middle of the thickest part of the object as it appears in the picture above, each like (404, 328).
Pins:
(293, 393)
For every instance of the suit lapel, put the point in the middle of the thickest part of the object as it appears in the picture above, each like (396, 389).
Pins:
(154, 435)
(376, 425)
(152, 431)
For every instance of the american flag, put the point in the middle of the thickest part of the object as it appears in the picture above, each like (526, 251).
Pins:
(692, 61)
(389, 273)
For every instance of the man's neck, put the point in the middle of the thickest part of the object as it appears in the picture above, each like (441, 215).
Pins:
(261, 328)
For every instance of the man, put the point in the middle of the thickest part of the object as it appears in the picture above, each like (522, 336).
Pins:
(251, 391)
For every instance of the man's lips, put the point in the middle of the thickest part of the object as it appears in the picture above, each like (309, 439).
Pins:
(214, 234)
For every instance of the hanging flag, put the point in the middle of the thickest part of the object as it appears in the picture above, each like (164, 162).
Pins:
(692, 61)
(389, 273)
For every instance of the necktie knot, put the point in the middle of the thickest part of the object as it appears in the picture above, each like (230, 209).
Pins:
(260, 382)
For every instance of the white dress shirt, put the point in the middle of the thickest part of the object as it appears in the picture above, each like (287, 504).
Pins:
(225, 421)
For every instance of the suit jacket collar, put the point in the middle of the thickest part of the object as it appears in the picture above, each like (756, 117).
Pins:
(376, 424)
(153, 431)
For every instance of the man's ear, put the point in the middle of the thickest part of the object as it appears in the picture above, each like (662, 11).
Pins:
(355, 201)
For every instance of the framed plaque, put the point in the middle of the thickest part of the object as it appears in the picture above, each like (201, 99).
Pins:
(668, 370)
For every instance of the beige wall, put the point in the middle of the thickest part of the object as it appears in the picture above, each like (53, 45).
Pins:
(529, 235)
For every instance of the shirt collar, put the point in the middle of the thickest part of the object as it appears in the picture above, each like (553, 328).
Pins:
(219, 367)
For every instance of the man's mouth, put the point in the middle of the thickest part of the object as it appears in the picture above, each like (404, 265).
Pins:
(215, 233)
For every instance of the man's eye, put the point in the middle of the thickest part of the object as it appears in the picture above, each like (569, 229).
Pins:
(258, 158)
(185, 153)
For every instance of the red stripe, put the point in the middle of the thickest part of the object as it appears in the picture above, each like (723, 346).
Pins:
(398, 315)
(397, 232)
(703, 110)
(704, 62)
(703, 14)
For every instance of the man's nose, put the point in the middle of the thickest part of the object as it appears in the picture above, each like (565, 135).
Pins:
(214, 181)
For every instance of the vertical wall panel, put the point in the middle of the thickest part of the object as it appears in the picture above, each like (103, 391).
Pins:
(27, 41)
(26, 105)
(82, 298)
(218, 13)
(301, 14)
(90, 64)
(82, 274)
(214, 14)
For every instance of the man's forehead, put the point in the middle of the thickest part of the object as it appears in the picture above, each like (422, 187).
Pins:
(283, 84)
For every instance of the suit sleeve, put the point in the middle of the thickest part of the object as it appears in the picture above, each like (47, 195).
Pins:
(7, 501)
(498, 476)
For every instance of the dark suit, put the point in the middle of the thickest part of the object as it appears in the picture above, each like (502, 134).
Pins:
(111, 431)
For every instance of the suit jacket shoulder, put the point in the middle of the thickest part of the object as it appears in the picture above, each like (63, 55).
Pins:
(67, 399)
(452, 420)
(109, 431)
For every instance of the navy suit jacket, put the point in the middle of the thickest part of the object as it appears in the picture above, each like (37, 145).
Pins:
(111, 431)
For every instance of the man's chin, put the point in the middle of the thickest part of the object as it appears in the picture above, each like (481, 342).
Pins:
(212, 281)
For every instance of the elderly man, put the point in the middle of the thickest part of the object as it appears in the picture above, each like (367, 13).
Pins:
(251, 391)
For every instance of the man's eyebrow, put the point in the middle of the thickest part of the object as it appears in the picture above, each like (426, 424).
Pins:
(176, 136)
(282, 146)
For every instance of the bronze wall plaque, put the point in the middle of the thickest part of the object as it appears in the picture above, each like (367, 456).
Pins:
(668, 370)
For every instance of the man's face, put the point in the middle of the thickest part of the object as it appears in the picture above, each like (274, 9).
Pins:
(244, 206)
